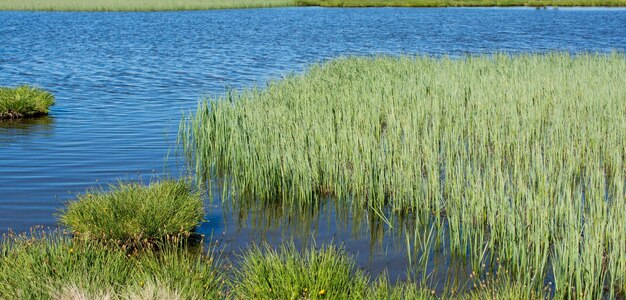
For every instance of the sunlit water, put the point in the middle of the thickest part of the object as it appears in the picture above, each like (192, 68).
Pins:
(122, 80)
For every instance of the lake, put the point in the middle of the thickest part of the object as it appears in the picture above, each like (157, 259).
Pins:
(122, 81)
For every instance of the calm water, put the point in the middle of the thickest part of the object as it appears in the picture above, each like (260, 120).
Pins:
(121, 81)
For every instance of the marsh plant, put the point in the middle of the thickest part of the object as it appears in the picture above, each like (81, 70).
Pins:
(132, 213)
(289, 273)
(24, 102)
(519, 158)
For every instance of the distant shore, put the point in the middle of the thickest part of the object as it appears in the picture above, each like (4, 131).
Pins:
(166, 5)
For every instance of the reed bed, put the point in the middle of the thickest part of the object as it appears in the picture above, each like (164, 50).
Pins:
(24, 102)
(138, 5)
(520, 160)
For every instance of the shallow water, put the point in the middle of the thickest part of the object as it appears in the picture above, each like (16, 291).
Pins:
(121, 81)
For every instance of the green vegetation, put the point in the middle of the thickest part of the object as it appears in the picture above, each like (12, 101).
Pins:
(289, 274)
(172, 5)
(52, 266)
(131, 213)
(526, 151)
(460, 3)
(24, 102)
(55, 265)
(138, 5)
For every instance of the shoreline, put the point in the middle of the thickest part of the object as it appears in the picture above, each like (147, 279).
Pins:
(96, 7)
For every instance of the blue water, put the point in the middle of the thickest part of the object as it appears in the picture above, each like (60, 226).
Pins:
(122, 80)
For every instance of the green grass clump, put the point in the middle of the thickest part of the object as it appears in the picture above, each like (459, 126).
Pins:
(131, 213)
(326, 273)
(54, 266)
(138, 5)
(517, 158)
(24, 102)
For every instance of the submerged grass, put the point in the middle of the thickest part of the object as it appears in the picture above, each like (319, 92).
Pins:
(131, 213)
(24, 102)
(520, 159)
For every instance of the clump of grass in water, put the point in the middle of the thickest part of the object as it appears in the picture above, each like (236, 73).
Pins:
(54, 266)
(327, 273)
(131, 214)
(24, 102)
(522, 156)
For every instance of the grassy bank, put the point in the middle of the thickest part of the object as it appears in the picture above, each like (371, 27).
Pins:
(53, 266)
(527, 151)
(24, 102)
(169, 5)
(56, 265)
(138, 5)
(460, 3)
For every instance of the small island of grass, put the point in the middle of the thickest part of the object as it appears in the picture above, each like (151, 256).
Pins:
(24, 102)
(132, 214)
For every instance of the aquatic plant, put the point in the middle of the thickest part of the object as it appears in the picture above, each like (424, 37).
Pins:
(289, 273)
(130, 213)
(517, 158)
(54, 266)
(24, 102)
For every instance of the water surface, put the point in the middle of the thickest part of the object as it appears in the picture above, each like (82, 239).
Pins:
(121, 81)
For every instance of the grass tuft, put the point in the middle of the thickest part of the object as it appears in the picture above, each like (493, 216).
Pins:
(24, 102)
(132, 214)
(286, 273)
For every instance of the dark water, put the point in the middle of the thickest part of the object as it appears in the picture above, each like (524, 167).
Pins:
(121, 81)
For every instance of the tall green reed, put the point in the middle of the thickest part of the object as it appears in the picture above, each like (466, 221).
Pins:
(521, 158)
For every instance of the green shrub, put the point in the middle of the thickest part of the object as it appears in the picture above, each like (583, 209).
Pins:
(131, 213)
(24, 101)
